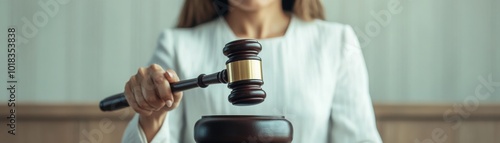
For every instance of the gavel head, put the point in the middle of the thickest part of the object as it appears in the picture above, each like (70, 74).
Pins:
(244, 72)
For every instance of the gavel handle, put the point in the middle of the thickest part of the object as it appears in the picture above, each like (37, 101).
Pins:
(119, 101)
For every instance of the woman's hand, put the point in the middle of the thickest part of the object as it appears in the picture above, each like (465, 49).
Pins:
(148, 93)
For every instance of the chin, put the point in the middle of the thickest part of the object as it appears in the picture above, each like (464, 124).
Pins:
(251, 5)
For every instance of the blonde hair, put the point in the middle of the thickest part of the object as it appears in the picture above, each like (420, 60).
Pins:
(196, 12)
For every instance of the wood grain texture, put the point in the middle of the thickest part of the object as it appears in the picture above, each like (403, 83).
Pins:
(105, 131)
(85, 123)
(497, 131)
(425, 124)
(416, 131)
(477, 132)
(43, 132)
(65, 123)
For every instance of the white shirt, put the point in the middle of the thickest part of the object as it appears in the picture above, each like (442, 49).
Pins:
(314, 75)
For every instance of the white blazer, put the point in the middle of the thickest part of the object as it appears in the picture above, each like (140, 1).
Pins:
(314, 75)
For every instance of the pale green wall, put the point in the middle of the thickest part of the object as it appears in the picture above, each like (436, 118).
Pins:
(433, 51)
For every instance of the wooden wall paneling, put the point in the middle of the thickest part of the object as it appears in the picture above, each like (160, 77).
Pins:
(49, 131)
(387, 133)
(497, 131)
(380, 128)
(477, 132)
(104, 130)
(41, 131)
(415, 131)
(103, 126)
(406, 123)
(65, 123)
(4, 136)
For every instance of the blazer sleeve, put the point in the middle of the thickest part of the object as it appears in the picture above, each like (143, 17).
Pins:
(352, 117)
(170, 132)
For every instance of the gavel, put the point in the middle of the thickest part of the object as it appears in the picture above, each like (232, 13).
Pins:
(243, 74)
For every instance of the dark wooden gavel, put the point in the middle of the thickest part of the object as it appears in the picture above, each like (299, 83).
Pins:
(243, 74)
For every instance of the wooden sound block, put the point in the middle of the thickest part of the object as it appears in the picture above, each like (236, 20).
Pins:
(243, 129)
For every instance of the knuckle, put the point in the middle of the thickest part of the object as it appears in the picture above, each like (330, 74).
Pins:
(132, 79)
(173, 72)
(175, 77)
(154, 67)
(140, 71)
(170, 71)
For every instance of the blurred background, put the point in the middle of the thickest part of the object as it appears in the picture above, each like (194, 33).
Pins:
(431, 63)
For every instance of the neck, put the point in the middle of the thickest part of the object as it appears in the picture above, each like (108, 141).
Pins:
(267, 22)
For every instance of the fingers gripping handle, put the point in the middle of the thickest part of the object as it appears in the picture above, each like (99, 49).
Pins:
(118, 101)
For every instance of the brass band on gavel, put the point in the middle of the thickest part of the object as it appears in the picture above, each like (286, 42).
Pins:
(244, 70)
